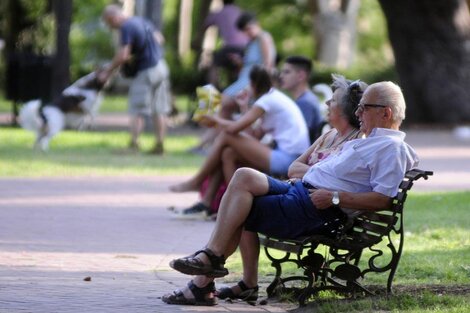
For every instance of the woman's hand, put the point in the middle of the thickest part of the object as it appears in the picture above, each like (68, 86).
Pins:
(208, 121)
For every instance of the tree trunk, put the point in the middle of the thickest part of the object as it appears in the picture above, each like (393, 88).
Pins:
(334, 25)
(430, 40)
(60, 73)
(185, 23)
(151, 10)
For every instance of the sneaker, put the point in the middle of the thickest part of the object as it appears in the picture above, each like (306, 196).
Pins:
(196, 211)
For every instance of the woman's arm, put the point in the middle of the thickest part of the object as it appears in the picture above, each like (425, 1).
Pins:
(300, 166)
(233, 127)
(267, 49)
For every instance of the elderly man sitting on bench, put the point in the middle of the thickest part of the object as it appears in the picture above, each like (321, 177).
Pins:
(364, 175)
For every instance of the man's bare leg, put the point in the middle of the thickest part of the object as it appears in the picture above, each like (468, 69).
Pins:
(159, 128)
(136, 126)
(234, 209)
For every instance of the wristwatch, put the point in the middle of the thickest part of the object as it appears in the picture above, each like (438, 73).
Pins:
(335, 198)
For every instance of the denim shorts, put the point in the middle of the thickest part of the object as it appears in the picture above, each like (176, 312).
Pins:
(280, 161)
(286, 212)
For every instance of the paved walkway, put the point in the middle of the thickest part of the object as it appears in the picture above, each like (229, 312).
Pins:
(55, 232)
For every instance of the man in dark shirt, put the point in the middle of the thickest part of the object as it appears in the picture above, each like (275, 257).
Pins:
(295, 74)
(149, 92)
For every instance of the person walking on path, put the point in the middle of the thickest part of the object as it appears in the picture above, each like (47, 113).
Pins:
(149, 92)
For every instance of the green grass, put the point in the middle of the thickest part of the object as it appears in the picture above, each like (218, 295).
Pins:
(92, 153)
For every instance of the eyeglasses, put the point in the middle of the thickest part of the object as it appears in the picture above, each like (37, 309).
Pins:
(362, 107)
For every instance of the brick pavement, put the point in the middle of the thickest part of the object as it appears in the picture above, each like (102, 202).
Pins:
(54, 232)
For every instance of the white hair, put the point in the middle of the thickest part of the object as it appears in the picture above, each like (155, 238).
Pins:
(390, 94)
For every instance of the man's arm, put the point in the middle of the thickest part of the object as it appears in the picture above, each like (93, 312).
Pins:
(121, 56)
(374, 201)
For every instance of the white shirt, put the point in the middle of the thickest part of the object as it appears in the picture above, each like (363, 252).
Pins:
(377, 163)
(284, 121)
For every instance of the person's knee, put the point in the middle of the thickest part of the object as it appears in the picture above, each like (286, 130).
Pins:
(225, 138)
(243, 178)
(228, 155)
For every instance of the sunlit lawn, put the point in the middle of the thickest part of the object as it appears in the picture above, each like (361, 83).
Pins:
(92, 153)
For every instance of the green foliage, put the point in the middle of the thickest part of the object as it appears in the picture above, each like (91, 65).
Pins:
(38, 35)
(91, 44)
(39, 38)
(89, 51)
(34, 9)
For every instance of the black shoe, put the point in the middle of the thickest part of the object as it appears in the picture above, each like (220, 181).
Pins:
(191, 265)
(196, 211)
(246, 294)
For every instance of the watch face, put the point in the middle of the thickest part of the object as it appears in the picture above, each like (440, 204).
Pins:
(335, 199)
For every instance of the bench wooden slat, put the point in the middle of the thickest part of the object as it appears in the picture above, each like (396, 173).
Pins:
(375, 228)
(381, 217)
(281, 245)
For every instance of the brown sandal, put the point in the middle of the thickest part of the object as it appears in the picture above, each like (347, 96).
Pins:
(200, 295)
(191, 265)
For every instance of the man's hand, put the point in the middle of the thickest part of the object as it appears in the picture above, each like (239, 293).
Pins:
(321, 198)
(103, 75)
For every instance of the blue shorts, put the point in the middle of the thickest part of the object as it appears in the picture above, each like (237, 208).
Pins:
(280, 161)
(286, 212)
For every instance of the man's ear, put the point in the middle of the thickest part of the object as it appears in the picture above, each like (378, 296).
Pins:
(387, 113)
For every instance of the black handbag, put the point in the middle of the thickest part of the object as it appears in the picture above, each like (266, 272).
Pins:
(130, 68)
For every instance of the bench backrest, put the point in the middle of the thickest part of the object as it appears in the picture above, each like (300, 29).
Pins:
(368, 228)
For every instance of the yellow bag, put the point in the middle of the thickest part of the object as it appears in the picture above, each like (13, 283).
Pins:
(209, 99)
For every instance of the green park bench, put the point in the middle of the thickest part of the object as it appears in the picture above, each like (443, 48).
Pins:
(333, 262)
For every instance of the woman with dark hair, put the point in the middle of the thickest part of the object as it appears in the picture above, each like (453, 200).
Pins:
(238, 142)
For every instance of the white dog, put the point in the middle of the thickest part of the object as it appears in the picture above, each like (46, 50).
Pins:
(76, 108)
